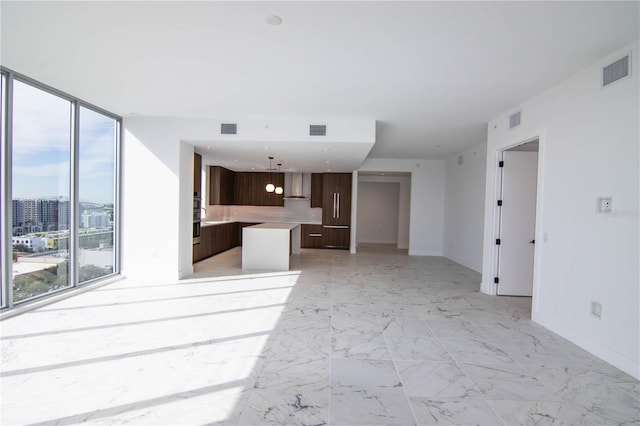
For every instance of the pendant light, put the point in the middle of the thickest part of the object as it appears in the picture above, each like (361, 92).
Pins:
(270, 187)
(279, 189)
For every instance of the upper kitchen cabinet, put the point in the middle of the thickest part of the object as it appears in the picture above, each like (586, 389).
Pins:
(221, 186)
(250, 189)
(336, 199)
(316, 190)
(197, 175)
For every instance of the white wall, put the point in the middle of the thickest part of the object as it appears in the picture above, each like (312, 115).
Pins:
(151, 201)
(464, 207)
(378, 206)
(426, 221)
(589, 147)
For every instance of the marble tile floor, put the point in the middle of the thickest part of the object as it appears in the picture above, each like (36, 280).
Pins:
(376, 338)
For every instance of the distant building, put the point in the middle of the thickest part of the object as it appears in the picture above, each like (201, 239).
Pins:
(35, 244)
(18, 213)
(63, 215)
(29, 211)
(94, 219)
(48, 214)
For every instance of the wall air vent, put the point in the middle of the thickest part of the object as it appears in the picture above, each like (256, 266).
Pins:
(228, 128)
(317, 130)
(514, 119)
(615, 71)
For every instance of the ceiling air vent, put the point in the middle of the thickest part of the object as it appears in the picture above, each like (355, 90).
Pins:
(317, 130)
(228, 128)
(460, 160)
(615, 71)
(514, 119)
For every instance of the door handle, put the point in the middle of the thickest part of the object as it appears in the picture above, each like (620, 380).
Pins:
(532, 242)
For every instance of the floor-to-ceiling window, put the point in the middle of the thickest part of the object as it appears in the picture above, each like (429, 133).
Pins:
(60, 175)
(97, 194)
(40, 179)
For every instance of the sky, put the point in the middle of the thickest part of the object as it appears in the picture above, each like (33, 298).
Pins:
(41, 148)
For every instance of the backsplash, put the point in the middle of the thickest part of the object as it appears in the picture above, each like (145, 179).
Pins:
(293, 211)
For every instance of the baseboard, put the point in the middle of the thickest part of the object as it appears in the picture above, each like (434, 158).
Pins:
(423, 253)
(460, 262)
(604, 353)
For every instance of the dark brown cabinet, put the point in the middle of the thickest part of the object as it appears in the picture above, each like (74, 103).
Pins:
(336, 210)
(336, 198)
(215, 239)
(221, 186)
(227, 187)
(250, 189)
(311, 236)
(336, 236)
(197, 175)
(316, 190)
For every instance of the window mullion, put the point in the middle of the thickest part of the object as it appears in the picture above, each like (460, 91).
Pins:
(74, 202)
(6, 197)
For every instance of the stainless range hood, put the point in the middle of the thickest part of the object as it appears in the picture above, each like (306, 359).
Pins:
(294, 187)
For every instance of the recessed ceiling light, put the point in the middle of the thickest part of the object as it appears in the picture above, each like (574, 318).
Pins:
(235, 161)
(326, 149)
(274, 20)
(328, 170)
(327, 162)
(208, 147)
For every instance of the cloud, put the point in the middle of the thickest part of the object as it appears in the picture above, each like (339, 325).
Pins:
(44, 170)
(41, 121)
(42, 141)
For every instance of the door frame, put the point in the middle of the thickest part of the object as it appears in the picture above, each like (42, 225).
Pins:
(495, 211)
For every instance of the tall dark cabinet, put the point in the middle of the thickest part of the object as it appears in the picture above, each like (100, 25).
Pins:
(336, 210)
(316, 190)
(197, 175)
(221, 186)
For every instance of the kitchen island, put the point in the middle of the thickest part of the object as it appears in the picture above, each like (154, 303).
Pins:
(269, 245)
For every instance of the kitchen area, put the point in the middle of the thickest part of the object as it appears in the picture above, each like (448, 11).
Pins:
(269, 214)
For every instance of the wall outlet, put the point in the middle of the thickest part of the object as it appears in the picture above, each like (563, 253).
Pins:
(596, 309)
(603, 205)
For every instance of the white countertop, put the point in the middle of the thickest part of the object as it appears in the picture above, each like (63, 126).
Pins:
(274, 225)
(222, 222)
(215, 222)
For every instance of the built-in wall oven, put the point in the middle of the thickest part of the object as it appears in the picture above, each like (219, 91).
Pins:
(196, 218)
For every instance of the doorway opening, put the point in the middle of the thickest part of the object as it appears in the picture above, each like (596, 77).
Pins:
(383, 209)
(515, 240)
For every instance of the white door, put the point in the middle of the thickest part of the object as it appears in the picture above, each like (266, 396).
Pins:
(517, 223)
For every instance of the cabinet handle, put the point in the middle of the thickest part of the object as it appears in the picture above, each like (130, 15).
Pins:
(336, 226)
(334, 204)
(338, 209)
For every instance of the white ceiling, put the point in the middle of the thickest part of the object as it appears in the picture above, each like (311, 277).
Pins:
(432, 74)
